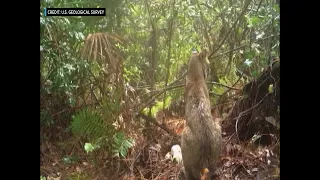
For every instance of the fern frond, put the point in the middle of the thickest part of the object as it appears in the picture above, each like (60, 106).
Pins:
(89, 124)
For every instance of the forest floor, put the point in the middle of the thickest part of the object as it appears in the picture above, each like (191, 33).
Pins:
(251, 144)
(239, 160)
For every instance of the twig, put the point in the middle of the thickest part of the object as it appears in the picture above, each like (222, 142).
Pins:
(230, 89)
(224, 85)
(154, 121)
(158, 94)
(243, 46)
(133, 162)
(73, 108)
(246, 111)
(232, 27)
(179, 86)
(221, 104)
(162, 90)
(210, 93)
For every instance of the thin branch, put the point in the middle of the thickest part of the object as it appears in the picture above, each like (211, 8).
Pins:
(168, 64)
(161, 90)
(222, 104)
(73, 108)
(158, 94)
(243, 46)
(245, 112)
(219, 84)
(179, 86)
(154, 121)
(204, 24)
(233, 26)
(232, 86)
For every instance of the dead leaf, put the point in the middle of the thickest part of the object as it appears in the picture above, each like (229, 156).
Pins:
(53, 178)
(78, 169)
(273, 121)
(228, 164)
(226, 158)
(229, 148)
(254, 170)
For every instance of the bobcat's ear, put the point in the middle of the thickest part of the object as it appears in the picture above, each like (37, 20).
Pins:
(204, 56)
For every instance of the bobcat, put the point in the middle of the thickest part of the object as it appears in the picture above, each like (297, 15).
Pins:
(201, 139)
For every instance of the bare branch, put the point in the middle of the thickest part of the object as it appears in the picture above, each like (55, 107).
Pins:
(243, 46)
(179, 86)
(154, 121)
(233, 26)
(219, 84)
(245, 112)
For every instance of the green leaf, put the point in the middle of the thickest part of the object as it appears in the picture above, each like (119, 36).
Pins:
(167, 101)
(250, 54)
(88, 123)
(79, 35)
(240, 31)
(88, 147)
(270, 88)
(67, 160)
(145, 110)
(121, 144)
(115, 153)
(248, 62)
(70, 159)
(217, 10)
(254, 73)
(128, 143)
(123, 152)
(254, 21)
(120, 135)
(276, 8)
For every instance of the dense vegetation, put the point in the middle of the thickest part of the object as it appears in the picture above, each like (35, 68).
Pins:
(99, 73)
